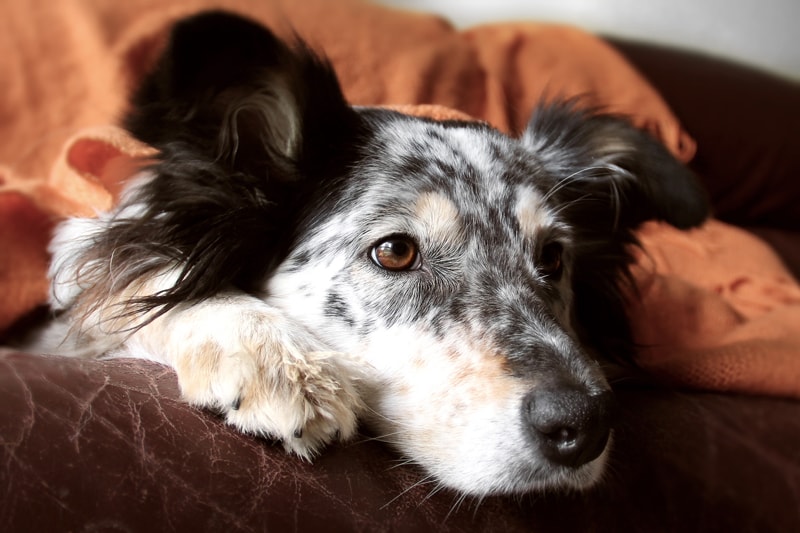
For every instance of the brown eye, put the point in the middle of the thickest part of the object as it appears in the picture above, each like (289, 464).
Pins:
(550, 262)
(396, 253)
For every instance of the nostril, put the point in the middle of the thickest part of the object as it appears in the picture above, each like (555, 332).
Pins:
(569, 425)
(561, 436)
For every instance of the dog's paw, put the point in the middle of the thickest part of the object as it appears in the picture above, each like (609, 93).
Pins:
(269, 380)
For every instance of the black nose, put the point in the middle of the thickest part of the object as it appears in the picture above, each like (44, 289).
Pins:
(570, 425)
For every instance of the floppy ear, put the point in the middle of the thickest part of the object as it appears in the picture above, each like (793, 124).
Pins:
(228, 87)
(246, 129)
(622, 170)
(608, 178)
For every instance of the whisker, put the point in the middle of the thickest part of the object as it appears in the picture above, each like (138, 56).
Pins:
(435, 490)
(385, 437)
(568, 180)
(456, 506)
(425, 480)
(401, 463)
(394, 422)
(571, 203)
(478, 502)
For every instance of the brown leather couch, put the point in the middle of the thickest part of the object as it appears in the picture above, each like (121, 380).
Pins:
(108, 446)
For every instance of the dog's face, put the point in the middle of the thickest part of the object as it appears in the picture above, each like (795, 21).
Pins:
(472, 275)
(442, 263)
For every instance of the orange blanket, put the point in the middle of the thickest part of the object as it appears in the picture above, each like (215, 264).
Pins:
(718, 310)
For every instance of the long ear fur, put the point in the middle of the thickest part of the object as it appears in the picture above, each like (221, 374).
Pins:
(606, 157)
(608, 178)
(246, 128)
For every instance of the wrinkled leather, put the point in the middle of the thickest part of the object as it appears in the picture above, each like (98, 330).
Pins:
(108, 446)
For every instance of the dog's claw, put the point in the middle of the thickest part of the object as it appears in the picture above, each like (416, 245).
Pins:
(236, 403)
(298, 433)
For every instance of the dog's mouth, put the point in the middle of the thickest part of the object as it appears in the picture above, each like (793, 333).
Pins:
(558, 478)
(518, 472)
(485, 449)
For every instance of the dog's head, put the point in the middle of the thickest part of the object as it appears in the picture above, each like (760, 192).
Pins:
(476, 276)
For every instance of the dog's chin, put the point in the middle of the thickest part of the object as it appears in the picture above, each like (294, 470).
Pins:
(497, 461)
(557, 479)
(535, 477)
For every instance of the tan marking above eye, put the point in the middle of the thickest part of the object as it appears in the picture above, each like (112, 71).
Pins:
(439, 217)
(396, 254)
(532, 215)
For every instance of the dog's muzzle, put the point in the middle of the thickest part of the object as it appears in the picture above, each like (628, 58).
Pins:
(569, 424)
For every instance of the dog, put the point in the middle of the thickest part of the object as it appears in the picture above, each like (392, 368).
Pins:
(304, 264)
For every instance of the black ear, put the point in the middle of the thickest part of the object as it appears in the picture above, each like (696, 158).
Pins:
(622, 170)
(607, 178)
(248, 131)
(228, 87)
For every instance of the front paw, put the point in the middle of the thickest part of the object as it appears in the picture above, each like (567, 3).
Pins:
(273, 384)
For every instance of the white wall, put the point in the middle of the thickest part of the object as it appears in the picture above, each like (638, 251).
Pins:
(764, 33)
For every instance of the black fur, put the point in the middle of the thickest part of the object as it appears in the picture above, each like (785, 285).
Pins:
(226, 200)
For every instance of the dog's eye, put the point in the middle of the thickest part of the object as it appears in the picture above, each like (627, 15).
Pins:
(395, 254)
(550, 261)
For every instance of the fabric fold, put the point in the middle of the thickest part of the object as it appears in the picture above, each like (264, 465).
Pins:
(717, 311)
